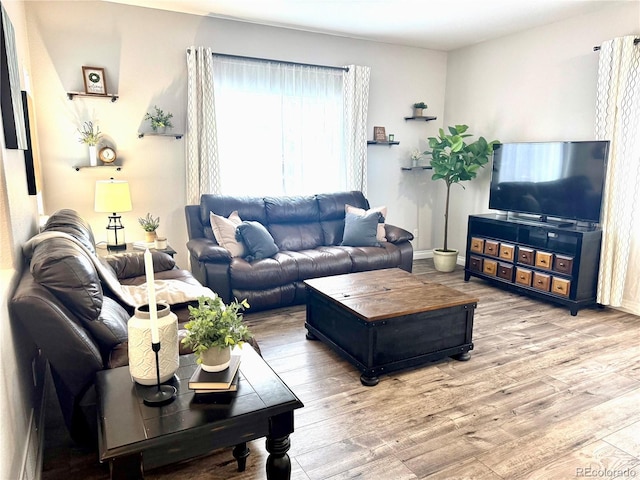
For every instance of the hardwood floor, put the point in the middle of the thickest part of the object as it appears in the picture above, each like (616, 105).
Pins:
(544, 396)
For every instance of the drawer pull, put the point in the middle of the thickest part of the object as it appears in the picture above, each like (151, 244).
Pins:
(539, 282)
(521, 277)
(524, 255)
(562, 264)
(542, 260)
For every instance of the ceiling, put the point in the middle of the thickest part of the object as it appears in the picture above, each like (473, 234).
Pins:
(434, 24)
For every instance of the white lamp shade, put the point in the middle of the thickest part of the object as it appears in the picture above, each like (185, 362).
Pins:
(112, 196)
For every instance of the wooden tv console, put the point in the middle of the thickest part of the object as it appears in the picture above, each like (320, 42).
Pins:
(547, 261)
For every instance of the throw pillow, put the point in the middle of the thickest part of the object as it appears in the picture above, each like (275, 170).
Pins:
(257, 240)
(224, 229)
(381, 234)
(361, 230)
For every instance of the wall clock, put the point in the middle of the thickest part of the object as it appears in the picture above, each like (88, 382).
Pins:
(107, 155)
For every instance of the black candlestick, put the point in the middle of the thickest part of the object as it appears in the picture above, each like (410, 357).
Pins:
(164, 393)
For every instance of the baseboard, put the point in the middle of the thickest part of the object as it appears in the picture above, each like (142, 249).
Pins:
(33, 456)
(422, 254)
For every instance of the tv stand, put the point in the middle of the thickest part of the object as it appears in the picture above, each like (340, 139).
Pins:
(540, 221)
(549, 261)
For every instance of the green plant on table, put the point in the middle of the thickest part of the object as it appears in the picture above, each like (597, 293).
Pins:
(454, 161)
(214, 324)
(159, 119)
(420, 105)
(148, 223)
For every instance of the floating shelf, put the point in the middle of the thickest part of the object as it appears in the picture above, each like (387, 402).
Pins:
(425, 119)
(71, 95)
(77, 168)
(177, 136)
(373, 142)
(419, 167)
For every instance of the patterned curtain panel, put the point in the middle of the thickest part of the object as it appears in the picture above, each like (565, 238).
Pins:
(618, 120)
(356, 106)
(203, 168)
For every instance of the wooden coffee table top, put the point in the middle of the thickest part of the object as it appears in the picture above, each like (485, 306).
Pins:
(381, 294)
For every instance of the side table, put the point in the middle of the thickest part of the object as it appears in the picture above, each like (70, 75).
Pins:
(104, 251)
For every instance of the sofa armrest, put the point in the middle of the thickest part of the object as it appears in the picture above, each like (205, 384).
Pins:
(207, 251)
(396, 234)
(131, 264)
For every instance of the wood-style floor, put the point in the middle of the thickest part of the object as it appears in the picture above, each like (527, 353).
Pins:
(544, 396)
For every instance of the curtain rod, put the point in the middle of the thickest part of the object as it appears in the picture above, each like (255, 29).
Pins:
(635, 42)
(330, 67)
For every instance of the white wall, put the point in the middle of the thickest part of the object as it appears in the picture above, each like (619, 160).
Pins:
(539, 85)
(18, 212)
(143, 52)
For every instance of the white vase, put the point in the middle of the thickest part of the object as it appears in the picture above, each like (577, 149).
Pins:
(142, 358)
(445, 261)
(215, 359)
(93, 155)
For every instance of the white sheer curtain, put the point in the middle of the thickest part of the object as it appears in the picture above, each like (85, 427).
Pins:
(202, 165)
(618, 120)
(356, 101)
(280, 127)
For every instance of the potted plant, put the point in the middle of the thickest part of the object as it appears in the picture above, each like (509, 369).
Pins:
(415, 158)
(90, 136)
(417, 108)
(160, 121)
(213, 330)
(149, 225)
(454, 161)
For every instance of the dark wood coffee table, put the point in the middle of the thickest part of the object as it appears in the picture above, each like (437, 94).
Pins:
(386, 320)
(134, 437)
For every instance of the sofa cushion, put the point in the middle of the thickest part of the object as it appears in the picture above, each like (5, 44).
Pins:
(68, 221)
(64, 269)
(381, 234)
(294, 222)
(224, 230)
(332, 211)
(319, 262)
(361, 230)
(257, 240)
(387, 255)
(264, 273)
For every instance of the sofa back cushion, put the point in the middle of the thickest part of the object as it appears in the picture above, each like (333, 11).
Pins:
(332, 212)
(294, 222)
(68, 221)
(248, 208)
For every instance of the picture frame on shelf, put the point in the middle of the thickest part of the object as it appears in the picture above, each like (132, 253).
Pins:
(94, 80)
(379, 134)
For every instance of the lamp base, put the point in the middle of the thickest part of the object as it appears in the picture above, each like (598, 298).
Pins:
(122, 246)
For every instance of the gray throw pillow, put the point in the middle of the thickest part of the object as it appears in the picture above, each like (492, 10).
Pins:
(361, 230)
(257, 240)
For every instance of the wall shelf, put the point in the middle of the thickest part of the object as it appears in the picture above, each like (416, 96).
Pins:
(374, 142)
(419, 167)
(424, 119)
(177, 136)
(117, 168)
(112, 96)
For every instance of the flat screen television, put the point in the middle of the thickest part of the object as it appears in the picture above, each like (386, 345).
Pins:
(563, 180)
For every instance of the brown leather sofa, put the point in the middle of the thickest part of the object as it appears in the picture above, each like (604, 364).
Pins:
(79, 325)
(308, 231)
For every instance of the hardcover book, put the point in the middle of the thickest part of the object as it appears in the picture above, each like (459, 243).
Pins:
(201, 380)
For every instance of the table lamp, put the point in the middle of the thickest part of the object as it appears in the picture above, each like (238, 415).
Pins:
(113, 196)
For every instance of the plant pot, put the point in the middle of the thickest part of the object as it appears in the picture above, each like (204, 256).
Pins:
(150, 236)
(93, 156)
(445, 261)
(142, 358)
(215, 359)
(417, 112)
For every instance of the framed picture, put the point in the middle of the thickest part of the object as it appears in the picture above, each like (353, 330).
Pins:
(379, 134)
(94, 81)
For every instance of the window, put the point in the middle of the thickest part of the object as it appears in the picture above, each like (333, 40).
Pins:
(280, 127)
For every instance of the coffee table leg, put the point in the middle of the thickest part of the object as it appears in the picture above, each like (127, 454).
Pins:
(278, 462)
(240, 453)
(369, 380)
(127, 467)
(463, 357)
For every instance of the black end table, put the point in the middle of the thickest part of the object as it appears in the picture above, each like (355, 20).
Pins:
(134, 437)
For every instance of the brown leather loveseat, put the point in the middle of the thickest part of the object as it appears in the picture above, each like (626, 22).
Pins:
(308, 232)
(73, 317)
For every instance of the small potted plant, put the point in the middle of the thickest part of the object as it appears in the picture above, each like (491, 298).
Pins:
(455, 161)
(149, 225)
(213, 330)
(160, 121)
(415, 158)
(417, 108)
(90, 135)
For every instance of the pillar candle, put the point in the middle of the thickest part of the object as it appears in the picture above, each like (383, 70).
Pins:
(153, 307)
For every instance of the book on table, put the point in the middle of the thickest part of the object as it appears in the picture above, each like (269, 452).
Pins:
(233, 387)
(222, 381)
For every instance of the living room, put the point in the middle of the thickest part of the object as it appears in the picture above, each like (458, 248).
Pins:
(538, 84)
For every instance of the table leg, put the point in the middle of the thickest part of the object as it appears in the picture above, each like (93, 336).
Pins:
(127, 467)
(240, 453)
(278, 462)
